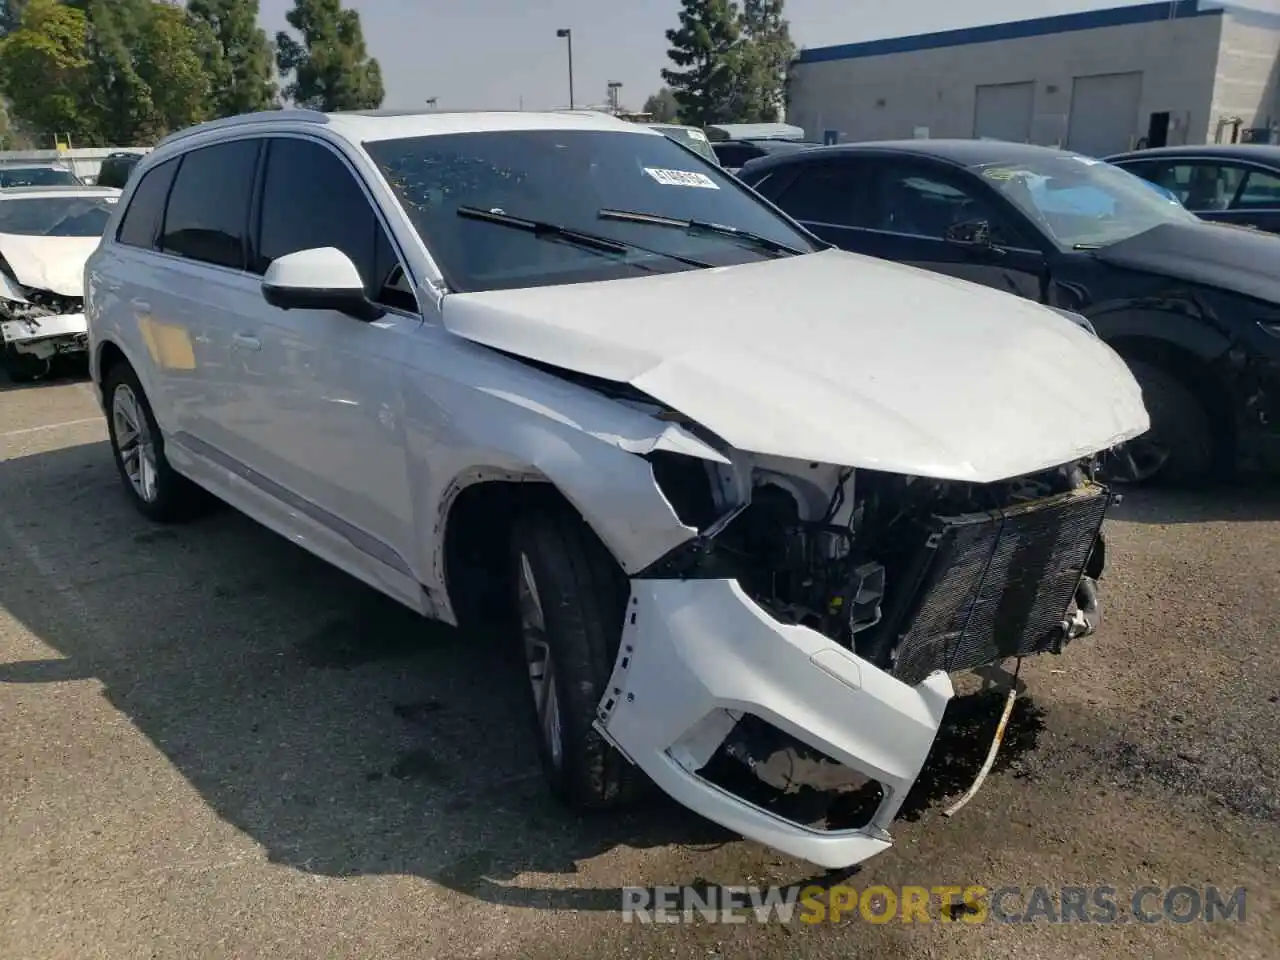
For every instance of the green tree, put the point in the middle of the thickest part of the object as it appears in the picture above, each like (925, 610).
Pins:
(168, 60)
(705, 49)
(662, 106)
(239, 59)
(766, 53)
(44, 69)
(331, 67)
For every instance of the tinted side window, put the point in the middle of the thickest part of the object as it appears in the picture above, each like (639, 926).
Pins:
(1261, 191)
(736, 154)
(140, 225)
(208, 210)
(310, 199)
(1202, 185)
(923, 203)
(827, 194)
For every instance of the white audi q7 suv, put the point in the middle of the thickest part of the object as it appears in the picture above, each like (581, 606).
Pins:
(732, 495)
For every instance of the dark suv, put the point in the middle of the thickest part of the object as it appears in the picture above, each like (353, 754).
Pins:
(116, 168)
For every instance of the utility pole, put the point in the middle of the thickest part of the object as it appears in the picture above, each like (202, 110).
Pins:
(567, 35)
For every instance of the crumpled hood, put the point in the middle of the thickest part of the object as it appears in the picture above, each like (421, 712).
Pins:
(55, 264)
(837, 358)
(1226, 257)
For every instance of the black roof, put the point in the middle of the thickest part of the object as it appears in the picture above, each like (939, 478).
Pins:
(1258, 152)
(964, 153)
(968, 153)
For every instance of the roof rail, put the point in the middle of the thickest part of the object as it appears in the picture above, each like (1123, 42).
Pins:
(244, 119)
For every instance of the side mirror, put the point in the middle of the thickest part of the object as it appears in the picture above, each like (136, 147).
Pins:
(323, 278)
(971, 233)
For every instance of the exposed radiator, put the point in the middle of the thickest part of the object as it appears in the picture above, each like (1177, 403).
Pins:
(997, 584)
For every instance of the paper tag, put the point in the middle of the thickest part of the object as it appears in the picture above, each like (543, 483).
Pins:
(681, 178)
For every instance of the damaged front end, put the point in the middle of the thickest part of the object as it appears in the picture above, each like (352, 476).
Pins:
(37, 327)
(804, 639)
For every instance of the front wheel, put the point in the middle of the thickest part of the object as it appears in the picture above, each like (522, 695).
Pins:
(25, 367)
(571, 597)
(1180, 447)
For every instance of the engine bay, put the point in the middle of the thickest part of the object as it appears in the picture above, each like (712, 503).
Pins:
(854, 554)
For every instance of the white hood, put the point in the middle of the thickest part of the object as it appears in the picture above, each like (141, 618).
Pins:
(55, 264)
(836, 358)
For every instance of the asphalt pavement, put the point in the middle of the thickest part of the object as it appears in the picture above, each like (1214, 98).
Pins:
(214, 745)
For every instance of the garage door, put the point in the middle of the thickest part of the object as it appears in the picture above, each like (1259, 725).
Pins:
(1104, 113)
(1003, 111)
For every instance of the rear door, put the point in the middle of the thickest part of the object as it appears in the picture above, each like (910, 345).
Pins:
(202, 292)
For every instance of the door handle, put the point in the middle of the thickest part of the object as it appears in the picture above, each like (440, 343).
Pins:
(245, 341)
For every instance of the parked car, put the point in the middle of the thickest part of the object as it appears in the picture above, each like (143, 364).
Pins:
(46, 235)
(116, 168)
(37, 175)
(733, 154)
(1194, 308)
(1236, 183)
(725, 495)
(691, 137)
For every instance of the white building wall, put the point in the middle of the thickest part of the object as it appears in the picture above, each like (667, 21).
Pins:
(1247, 85)
(891, 95)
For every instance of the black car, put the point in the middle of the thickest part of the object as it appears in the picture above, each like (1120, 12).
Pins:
(116, 168)
(37, 175)
(1236, 183)
(1193, 307)
(733, 154)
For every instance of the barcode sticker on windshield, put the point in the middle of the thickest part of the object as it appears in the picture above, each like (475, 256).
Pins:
(681, 178)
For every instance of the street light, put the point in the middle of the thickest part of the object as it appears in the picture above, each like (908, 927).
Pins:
(567, 34)
(431, 102)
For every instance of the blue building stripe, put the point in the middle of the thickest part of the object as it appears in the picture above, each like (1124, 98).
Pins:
(1039, 27)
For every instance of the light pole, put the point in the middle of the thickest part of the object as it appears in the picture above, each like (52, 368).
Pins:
(431, 102)
(567, 35)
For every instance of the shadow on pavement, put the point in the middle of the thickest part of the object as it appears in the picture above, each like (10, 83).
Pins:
(340, 731)
(1252, 500)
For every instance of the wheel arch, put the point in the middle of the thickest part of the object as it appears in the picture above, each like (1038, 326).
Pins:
(1197, 369)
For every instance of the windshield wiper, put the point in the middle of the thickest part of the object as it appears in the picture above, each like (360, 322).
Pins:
(1086, 246)
(702, 226)
(578, 238)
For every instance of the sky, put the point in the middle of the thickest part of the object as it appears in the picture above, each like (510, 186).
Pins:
(504, 54)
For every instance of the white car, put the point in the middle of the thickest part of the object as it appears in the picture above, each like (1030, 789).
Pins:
(734, 496)
(46, 235)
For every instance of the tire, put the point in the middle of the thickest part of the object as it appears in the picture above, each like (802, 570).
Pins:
(1180, 448)
(582, 597)
(172, 496)
(23, 367)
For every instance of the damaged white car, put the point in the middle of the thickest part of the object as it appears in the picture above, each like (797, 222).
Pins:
(734, 496)
(46, 234)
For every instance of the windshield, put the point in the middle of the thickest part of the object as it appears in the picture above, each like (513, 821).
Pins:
(566, 178)
(56, 216)
(37, 177)
(692, 138)
(1080, 202)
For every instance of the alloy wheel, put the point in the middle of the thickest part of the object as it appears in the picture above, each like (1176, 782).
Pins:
(541, 666)
(134, 444)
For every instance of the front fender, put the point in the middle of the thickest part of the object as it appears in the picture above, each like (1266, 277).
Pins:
(512, 422)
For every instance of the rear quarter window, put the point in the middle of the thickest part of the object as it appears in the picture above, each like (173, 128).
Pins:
(140, 225)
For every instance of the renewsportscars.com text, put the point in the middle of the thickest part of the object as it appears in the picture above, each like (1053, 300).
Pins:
(938, 904)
